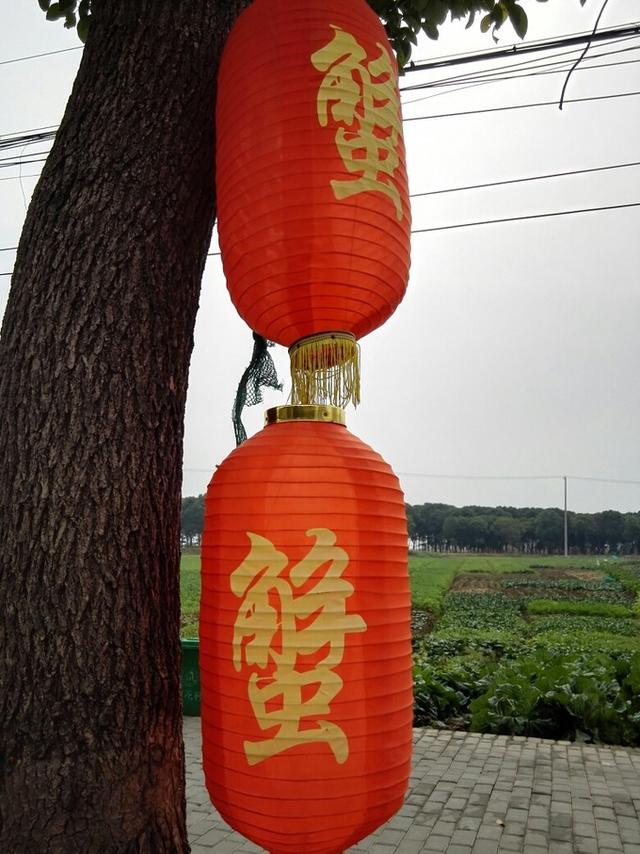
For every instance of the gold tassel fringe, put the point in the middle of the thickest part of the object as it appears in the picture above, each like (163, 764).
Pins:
(325, 369)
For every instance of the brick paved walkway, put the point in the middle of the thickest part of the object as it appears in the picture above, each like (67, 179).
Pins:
(480, 794)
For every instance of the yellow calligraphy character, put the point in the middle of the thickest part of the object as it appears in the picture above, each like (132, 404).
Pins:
(285, 692)
(361, 97)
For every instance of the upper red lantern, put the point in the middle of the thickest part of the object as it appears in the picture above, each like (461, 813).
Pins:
(313, 204)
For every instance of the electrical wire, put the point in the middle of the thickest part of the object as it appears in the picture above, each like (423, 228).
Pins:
(525, 180)
(486, 185)
(522, 69)
(9, 163)
(450, 59)
(584, 52)
(522, 72)
(627, 31)
(12, 164)
(18, 177)
(39, 55)
(521, 106)
(29, 130)
(486, 477)
(560, 58)
(24, 139)
(511, 77)
(31, 154)
(480, 476)
(493, 221)
(613, 31)
(525, 216)
(603, 479)
(526, 47)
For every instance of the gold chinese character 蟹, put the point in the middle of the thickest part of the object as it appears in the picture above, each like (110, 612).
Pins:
(275, 631)
(360, 97)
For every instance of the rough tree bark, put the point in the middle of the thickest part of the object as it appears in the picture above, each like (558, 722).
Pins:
(94, 359)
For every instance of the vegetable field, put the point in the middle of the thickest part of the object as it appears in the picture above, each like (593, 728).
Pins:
(546, 647)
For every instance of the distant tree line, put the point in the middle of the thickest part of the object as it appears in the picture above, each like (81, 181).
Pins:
(443, 528)
(192, 520)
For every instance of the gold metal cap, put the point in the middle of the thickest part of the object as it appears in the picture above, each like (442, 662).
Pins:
(305, 412)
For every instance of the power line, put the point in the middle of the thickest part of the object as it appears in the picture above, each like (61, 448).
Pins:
(604, 480)
(30, 154)
(486, 185)
(532, 47)
(535, 71)
(38, 55)
(479, 476)
(584, 52)
(18, 177)
(15, 163)
(526, 216)
(33, 157)
(561, 58)
(10, 273)
(494, 221)
(510, 477)
(513, 48)
(522, 106)
(30, 130)
(450, 59)
(25, 139)
(524, 180)
(487, 477)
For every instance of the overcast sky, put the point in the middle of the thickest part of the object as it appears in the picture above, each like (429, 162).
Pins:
(515, 352)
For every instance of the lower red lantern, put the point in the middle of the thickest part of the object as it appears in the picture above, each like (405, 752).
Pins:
(305, 649)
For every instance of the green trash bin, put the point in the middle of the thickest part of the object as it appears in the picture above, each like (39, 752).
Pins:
(190, 677)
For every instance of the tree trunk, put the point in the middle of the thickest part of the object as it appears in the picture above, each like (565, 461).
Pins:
(94, 361)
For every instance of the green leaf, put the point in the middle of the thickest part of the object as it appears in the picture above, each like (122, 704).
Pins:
(485, 23)
(400, 55)
(414, 22)
(70, 20)
(437, 11)
(44, 4)
(83, 28)
(518, 18)
(431, 30)
(54, 13)
(500, 14)
(408, 35)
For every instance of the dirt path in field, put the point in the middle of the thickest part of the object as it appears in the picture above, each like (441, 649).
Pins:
(485, 582)
(476, 582)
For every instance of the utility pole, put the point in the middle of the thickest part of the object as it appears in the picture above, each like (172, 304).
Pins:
(566, 527)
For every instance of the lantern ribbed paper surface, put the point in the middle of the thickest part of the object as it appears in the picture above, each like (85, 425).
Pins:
(313, 206)
(305, 649)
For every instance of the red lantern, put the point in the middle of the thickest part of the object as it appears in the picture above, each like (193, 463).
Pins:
(305, 649)
(313, 203)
